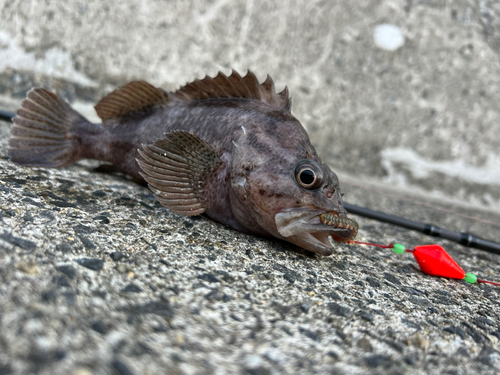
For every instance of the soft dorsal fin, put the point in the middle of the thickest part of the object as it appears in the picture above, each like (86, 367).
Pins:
(234, 86)
(133, 97)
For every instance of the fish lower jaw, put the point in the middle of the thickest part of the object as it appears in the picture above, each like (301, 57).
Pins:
(322, 237)
(318, 243)
(327, 239)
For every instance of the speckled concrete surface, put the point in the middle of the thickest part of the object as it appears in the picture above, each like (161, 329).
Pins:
(97, 278)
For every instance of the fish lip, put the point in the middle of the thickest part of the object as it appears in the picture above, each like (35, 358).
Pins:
(314, 226)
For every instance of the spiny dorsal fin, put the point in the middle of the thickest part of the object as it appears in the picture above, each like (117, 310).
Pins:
(234, 86)
(285, 99)
(176, 168)
(133, 97)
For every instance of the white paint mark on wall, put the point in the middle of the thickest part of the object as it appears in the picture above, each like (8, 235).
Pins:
(489, 174)
(388, 37)
(56, 62)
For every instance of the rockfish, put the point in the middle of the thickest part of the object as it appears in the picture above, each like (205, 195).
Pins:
(226, 146)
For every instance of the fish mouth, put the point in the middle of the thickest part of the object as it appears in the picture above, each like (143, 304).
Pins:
(311, 228)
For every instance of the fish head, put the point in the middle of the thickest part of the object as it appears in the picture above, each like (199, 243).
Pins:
(320, 215)
(292, 195)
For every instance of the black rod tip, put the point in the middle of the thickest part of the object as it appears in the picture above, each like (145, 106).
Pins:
(7, 116)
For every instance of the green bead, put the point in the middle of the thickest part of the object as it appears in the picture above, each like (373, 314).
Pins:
(470, 278)
(398, 248)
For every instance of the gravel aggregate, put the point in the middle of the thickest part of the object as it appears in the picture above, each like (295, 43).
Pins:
(98, 278)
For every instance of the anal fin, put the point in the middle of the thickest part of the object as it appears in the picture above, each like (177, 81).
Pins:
(176, 168)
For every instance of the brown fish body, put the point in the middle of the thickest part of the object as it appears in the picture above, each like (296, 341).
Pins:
(226, 146)
(218, 122)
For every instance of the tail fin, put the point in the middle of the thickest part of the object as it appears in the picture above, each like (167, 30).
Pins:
(42, 133)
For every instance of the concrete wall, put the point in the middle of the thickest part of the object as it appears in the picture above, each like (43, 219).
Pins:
(415, 105)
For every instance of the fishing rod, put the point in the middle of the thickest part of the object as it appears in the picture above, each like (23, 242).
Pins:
(6, 116)
(464, 239)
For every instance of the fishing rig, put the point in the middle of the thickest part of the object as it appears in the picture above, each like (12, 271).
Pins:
(464, 239)
(432, 259)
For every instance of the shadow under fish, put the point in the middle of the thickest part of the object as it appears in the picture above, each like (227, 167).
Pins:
(226, 146)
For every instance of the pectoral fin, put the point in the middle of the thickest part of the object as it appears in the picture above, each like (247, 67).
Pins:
(177, 168)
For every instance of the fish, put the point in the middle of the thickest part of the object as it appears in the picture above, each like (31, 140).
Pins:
(226, 146)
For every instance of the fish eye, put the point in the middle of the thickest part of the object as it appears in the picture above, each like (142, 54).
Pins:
(308, 174)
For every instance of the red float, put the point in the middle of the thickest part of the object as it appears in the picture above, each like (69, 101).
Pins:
(434, 260)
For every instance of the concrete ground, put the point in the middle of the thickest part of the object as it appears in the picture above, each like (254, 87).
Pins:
(400, 98)
(414, 104)
(97, 278)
